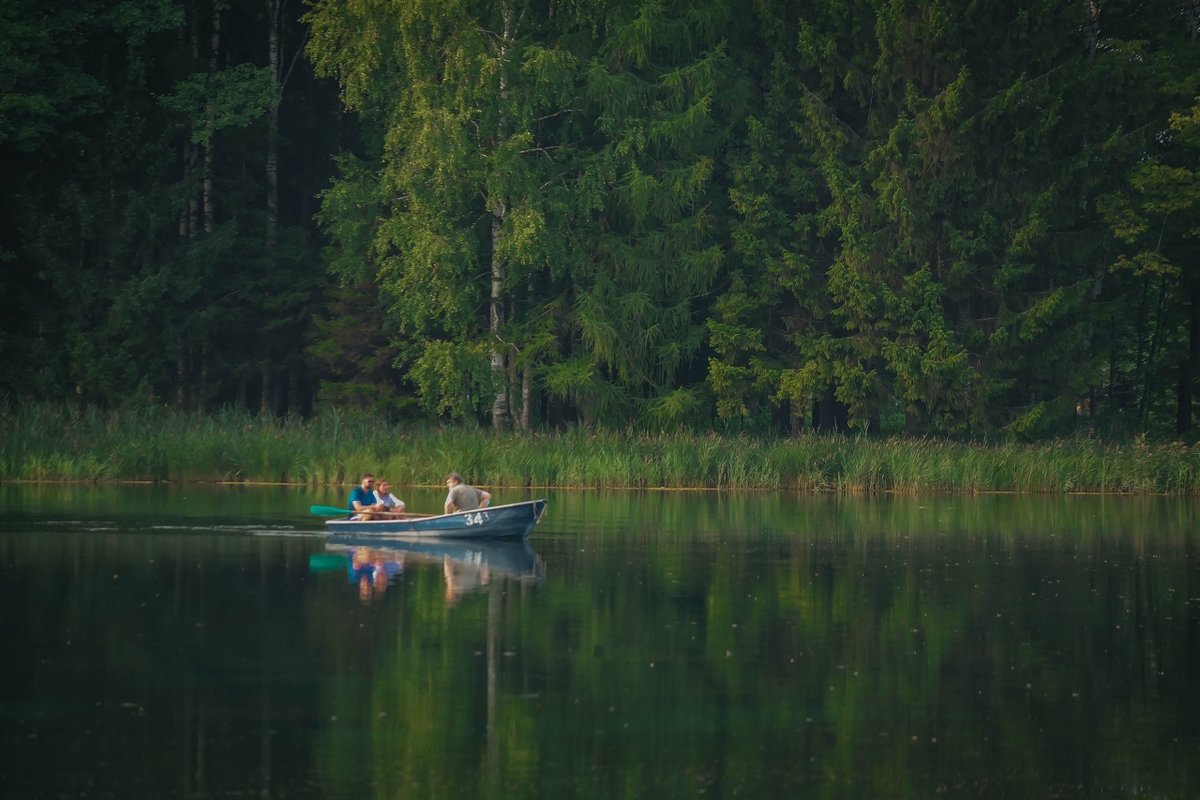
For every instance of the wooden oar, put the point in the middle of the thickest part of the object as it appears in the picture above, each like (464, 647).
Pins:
(398, 514)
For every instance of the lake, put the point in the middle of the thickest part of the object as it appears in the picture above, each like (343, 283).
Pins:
(202, 641)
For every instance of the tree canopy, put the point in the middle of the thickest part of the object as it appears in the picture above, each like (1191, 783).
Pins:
(884, 216)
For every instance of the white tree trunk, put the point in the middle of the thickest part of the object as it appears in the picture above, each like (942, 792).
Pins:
(500, 404)
(211, 123)
(526, 396)
(273, 22)
(500, 412)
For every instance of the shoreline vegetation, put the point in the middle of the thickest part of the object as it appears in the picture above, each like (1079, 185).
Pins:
(59, 443)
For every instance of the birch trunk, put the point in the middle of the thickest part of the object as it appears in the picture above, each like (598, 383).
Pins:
(193, 206)
(184, 230)
(500, 412)
(190, 151)
(265, 406)
(211, 122)
(1188, 365)
(273, 21)
(1092, 25)
(180, 375)
(202, 397)
(500, 404)
(526, 396)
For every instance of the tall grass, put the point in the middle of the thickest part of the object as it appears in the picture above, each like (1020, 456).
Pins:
(52, 442)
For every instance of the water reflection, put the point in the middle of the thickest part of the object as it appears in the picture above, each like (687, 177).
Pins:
(372, 571)
(466, 566)
(677, 646)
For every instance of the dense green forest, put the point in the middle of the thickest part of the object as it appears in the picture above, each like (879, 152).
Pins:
(954, 218)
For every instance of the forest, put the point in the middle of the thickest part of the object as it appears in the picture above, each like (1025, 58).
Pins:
(973, 219)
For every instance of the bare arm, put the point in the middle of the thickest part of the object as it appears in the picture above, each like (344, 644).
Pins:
(484, 498)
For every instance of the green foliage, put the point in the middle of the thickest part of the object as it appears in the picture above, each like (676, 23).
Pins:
(43, 86)
(1154, 217)
(656, 89)
(469, 178)
(452, 377)
(137, 228)
(777, 217)
(235, 97)
(678, 410)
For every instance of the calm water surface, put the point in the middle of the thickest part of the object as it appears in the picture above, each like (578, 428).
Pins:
(209, 642)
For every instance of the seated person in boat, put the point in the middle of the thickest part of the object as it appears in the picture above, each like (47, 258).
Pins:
(362, 498)
(385, 498)
(462, 497)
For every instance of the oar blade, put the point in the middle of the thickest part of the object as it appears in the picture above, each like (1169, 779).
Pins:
(328, 511)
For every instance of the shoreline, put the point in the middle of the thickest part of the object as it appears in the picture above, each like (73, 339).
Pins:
(847, 492)
(55, 444)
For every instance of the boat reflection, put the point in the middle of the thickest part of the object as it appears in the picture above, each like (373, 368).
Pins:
(467, 566)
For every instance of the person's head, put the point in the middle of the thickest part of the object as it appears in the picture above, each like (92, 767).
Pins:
(453, 479)
(367, 480)
(384, 486)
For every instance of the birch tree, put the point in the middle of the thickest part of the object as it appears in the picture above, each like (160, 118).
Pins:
(464, 100)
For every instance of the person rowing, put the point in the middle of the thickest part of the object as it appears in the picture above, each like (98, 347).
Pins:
(362, 498)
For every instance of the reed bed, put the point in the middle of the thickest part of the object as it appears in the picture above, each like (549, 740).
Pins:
(53, 443)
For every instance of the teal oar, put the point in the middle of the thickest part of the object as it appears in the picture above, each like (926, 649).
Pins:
(329, 511)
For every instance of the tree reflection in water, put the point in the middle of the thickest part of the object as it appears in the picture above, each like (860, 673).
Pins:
(724, 644)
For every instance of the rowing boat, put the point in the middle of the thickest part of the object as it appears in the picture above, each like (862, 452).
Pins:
(511, 521)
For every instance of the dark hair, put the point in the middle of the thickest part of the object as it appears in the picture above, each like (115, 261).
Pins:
(364, 476)
(453, 476)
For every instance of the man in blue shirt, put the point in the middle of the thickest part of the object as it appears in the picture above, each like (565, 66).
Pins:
(362, 498)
